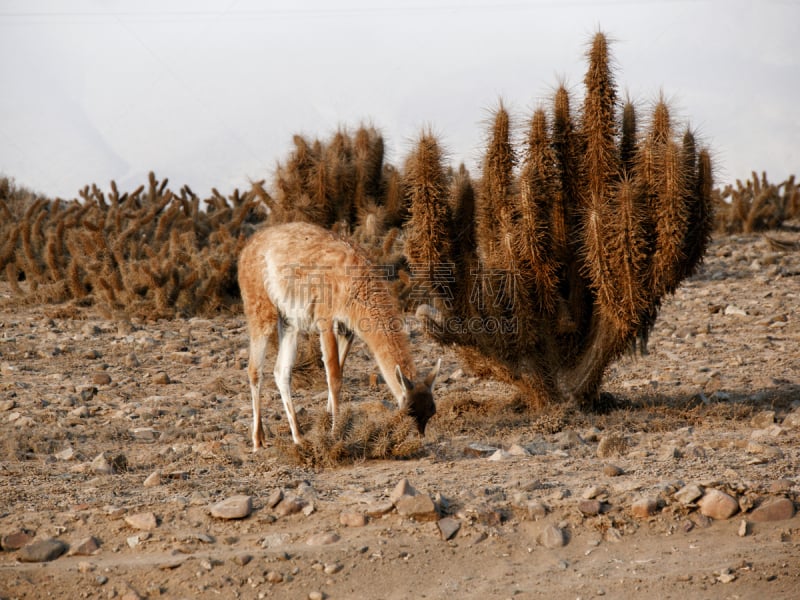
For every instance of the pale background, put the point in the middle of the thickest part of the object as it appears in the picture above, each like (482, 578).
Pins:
(209, 93)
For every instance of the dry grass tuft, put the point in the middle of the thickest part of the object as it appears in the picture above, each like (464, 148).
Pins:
(369, 431)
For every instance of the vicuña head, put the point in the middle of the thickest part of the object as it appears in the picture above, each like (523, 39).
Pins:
(299, 277)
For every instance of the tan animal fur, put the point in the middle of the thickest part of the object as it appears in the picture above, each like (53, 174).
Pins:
(300, 277)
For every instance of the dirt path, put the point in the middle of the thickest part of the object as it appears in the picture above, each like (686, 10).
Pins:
(560, 512)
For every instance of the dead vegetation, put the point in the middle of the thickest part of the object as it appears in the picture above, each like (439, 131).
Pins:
(756, 205)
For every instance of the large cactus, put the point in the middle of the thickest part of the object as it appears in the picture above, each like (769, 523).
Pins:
(556, 261)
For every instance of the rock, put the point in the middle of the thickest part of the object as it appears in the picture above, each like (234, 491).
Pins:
(499, 455)
(552, 537)
(16, 540)
(644, 508)
(235, 507)
(353, 519)
(448, 527)
(780, 486)
(612, 470)
(743, 528)
(688, 493)
(735, 310)
(378, 509)
(517, 450)
(322, 539)
(274, 577)
(332, 568)
(85, 547)
(42, 551)
(726, 576)
(274, 498)
(242, 559)
(479, 450)
(161, 378)
(316, 596)
(568, 439)
(403, 488)
(763, 419)
(775, 510)
(612, 444)
(718, 505)
(289, 506)
(792, 420)
(101, 379)
(101, 465)
(145, 521)
(66, 454)
(153, 479)
(536, 510)
(419, 507)
(590, 507)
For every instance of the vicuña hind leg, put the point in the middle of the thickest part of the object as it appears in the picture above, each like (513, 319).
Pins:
(255, 369)
(287, 352)
(333, 371)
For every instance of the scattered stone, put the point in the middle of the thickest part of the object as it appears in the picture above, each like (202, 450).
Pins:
(274, 577)
(289, 506)
(718, 505)
(322, 539)
(568, 439)
(499, 455)
(552, 537)
(612, 444)
(448, 527)
(775, 510)
(612, 470)
(536, 510)
(42, 551)
(316, 596)
(644, 508)
(101, 379)
(763, 419)
(161, 378)
(153, 479)
(309, 509)
(792, 420)
(700, 520)
(726, 576)
(332, 568)
(67, 453)
(479, 450)
(613, 535)
(743, 528)
(590, 507)
(86, 547)
(780, 486)
(274, 498)
(517, 450)
(378, 509)
(145, 521)
(419, 507)
(16, 540)
(235, 507)
(242, 559)
(101, 466)
(353, 519)
(688, 493)
(735, 310)
(403, 488)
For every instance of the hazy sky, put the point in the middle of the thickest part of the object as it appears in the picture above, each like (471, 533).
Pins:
(210, 92)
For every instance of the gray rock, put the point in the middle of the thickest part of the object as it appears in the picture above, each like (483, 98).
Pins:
(42, 551)
(403, 488)
(101, 465)
(235, 507)
(448, 527)
(688, 493)
(274, 498)
(289, 506)
(479, 450)
(590, 507)
(552, 537)
(419, 507)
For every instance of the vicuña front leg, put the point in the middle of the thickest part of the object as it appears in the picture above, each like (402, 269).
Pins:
(287, 352)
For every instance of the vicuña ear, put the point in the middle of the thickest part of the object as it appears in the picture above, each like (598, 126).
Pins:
(407, 384)
(431, 377)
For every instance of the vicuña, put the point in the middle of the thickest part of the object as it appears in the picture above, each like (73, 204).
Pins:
(300, 277)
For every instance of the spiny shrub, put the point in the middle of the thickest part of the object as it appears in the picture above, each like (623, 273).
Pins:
(148, 253)
(756, 205)
(555, 262)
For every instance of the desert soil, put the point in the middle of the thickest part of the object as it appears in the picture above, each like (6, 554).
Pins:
(565, 505)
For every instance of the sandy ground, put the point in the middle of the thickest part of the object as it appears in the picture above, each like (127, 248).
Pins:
(560, 511)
